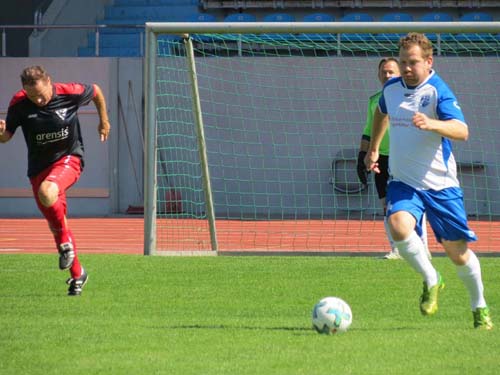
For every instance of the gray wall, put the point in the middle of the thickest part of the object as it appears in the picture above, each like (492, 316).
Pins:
(270, 148)
(99, 171)
(337, 119)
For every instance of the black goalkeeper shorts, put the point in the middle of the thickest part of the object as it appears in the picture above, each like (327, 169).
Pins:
(382, 177)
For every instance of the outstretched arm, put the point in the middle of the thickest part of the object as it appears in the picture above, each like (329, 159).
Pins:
(100, 103)
(5, 135)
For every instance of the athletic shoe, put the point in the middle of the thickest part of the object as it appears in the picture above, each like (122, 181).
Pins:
(482, 318)
(393, 254)
(66, 255)
(429, 298)
(76, 285)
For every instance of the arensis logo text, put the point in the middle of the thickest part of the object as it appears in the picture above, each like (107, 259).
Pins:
(53, 136)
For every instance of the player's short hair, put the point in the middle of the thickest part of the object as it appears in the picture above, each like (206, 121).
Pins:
(418, 39)
(386, 60)
(32, 74)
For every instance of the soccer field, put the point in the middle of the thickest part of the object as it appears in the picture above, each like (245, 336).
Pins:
(236, 315)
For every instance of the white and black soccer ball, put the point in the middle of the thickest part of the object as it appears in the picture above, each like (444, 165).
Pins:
(331, 315)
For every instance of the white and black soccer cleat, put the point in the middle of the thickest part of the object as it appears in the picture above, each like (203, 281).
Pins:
(76, 285)
(66, 255)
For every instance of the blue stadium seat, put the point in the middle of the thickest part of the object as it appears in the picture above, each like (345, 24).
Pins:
(318, 17)
(109, 52)
(394, 17)
(240, 17)
(436, 17)
(155, 2)
(131, 40)
(475, 17)
(356, 17)
(397, 17)
(202, 17)
(278, 17)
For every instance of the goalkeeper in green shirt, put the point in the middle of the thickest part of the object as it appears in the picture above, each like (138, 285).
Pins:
(387, 68)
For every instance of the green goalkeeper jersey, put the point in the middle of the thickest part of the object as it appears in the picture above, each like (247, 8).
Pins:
(367, 132)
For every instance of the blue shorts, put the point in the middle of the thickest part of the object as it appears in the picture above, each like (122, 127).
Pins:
(444, 208)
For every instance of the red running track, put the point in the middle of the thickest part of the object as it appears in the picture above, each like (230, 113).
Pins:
(124, 235)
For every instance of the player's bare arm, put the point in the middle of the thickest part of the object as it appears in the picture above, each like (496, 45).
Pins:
(380, 124)
(451, 129)
(4, 133)
(100, 103)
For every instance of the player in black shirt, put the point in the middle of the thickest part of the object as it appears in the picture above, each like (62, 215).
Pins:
(47, 115)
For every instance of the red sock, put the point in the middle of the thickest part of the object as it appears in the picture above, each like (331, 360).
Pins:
(55, 216)
(76, 268)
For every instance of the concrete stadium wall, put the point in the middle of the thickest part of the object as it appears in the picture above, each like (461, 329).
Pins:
(112, 179)
(341, 93)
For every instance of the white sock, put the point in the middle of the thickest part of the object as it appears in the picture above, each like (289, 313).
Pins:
(470, 274)
(424, 231)
(388, 232)
(413, 251)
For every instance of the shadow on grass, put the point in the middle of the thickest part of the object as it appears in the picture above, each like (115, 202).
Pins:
(223, 327)
(284, 329)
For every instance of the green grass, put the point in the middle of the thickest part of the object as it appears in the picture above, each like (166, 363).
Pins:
(237, 315)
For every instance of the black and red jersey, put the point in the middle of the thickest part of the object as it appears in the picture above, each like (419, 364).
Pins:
(52, 131)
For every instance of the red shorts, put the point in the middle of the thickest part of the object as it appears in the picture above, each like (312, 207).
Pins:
(64, 173)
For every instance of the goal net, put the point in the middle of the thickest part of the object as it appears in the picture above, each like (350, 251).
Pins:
(253, 130)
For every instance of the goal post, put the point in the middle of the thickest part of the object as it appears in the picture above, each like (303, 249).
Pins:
(252, 131)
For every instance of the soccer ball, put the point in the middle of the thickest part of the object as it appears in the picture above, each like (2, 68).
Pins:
(331, 315)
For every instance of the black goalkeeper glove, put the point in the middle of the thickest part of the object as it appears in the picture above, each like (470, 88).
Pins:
(361, 168)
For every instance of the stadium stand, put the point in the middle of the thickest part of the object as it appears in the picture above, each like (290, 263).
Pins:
(355, 17)
(360, 4)
(240, 17)
(318, 17)
(475, 17)
(436, 17)
(137, 12)
(128, 41)
(277, 17)
(394, 17)
(202, 17)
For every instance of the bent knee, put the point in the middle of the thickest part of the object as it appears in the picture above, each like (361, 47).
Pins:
(48, 193)
(401, 224)
(457, 251)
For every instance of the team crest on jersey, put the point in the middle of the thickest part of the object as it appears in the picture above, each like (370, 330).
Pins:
(62, 113)
(425, 100)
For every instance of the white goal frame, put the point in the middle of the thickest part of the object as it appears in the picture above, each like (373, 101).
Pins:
(153, 29)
